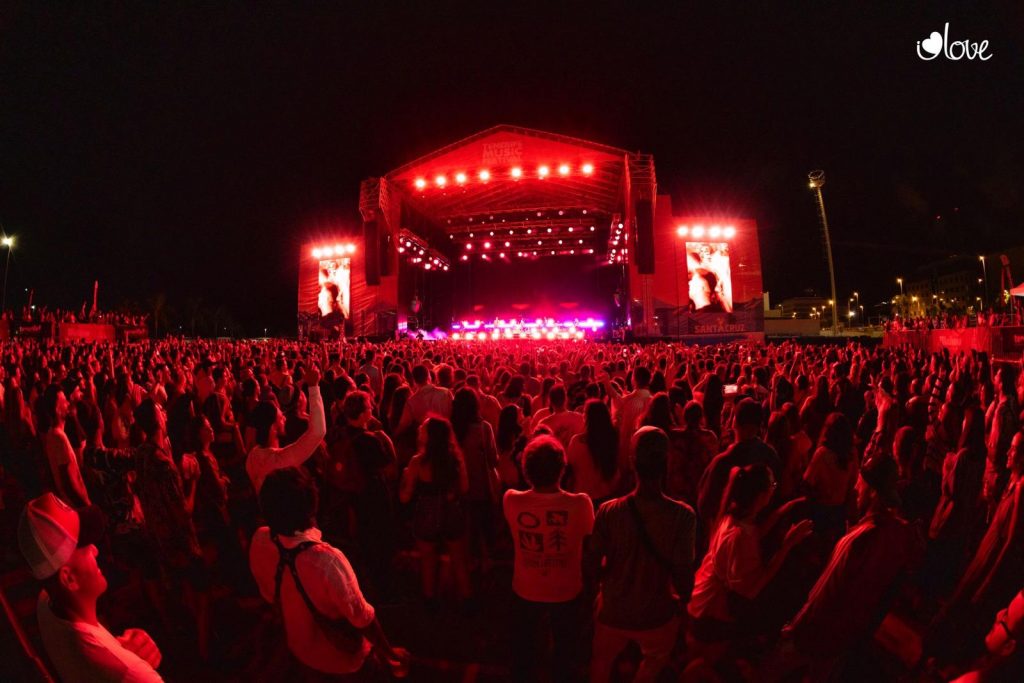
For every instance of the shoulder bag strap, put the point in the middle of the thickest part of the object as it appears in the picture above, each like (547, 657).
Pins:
(645, 537)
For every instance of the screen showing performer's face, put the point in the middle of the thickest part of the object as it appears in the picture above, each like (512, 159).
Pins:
(710, 280)
(334, 287)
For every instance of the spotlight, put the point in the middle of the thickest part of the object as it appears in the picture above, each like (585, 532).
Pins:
(328, 252)
(469, 246)
(698, 231)
(350, 248)
(339, 249)
(501, 255)
(316, 253)
(484, 175)
(426, 266)
(516, 172)
(487, 245)
(420, 183)
(440, 180)
(508, 244)
(715, 231)
(465, 257)
(682, 231)
(563, 169)
(543, 171)
(588, 169)
(460, 178)
(729, 231)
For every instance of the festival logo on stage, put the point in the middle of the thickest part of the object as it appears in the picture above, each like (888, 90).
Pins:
(334, 279)
(710, 278)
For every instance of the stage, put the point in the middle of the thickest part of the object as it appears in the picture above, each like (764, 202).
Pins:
(531, 233)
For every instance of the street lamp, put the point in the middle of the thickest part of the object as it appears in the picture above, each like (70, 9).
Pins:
(7, 241)
(816, 180)
(984, 294)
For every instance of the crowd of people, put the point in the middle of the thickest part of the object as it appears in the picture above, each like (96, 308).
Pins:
(44, 314)
(954, 321)
(735, 512)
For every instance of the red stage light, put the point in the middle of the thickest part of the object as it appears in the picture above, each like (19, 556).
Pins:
(529, 231)
(465, 257)
(543, 171)
(508, 244)
(484, 175)
(540, 242)
(350, 248)
(592, 228)
(570, 228)
(487, 245)
(339, 249)
(501, 255)
(698, 231)
(563, 169)
(460, 178)
(401, 250)
(682, 231)
(420, 183)
(316, 253)
(469, 246)
(328, 252)
(729, 231)
(426, 266)
(588, 169)
(516, 172)
(446, 269)
(715, 231)
(440, 180)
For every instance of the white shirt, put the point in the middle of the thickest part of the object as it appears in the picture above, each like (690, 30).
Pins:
(548, 531)
(262, 461)
(83, 653)
(564, 425)
(427, 399)
(629, 409)
(330, 584)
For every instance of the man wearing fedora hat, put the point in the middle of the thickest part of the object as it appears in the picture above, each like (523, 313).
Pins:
(57, 543)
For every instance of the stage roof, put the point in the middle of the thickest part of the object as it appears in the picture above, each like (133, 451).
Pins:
(534, 190)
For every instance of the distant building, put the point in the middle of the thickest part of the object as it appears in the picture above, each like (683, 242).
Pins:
(804, 307)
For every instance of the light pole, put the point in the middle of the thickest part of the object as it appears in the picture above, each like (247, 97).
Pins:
(8, 241)
(984, 294)
(817, 180)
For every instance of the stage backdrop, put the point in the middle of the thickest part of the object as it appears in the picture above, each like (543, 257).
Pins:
(332, 285)
(704, 282)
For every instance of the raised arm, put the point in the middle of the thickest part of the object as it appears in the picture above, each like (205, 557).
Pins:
(298, 452)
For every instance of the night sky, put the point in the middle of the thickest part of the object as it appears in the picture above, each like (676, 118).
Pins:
(190, 152)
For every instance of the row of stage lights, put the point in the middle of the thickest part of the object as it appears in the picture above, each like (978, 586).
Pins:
(531, 252)
(334, 250)
(614, 236)
(421, 254)
(549, 329)
(514, 173)
(714, 232)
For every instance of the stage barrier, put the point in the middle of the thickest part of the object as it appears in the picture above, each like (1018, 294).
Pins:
(996, 341)
(85, 332)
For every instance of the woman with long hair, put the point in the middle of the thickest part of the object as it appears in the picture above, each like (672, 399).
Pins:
(510, 442)
(405, 440)
(658, 413)
(734, 566)
(713, 401)
(831, 476)
(476, 441)
(593, 454)
(437, 481)
(960, 514)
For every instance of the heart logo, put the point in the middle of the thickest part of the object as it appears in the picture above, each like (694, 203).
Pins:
(933, 43)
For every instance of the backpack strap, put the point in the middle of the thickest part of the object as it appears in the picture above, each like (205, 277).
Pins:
(286, 558)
